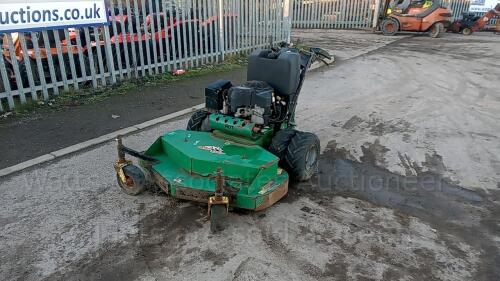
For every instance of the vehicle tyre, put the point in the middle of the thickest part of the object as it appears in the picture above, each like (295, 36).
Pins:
(135, 182)
(218, 215)
(23, 69)
(467, 31)
(280, 142)
(199, 121)
(389, 26)
(302, 155)
(437, 30)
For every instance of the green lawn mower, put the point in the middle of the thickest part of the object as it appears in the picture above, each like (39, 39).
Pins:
(241, 150)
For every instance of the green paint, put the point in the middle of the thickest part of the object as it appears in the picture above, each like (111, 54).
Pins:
(239, 130)
(189, 159)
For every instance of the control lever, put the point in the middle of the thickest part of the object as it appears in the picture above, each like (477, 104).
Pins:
(321, 54)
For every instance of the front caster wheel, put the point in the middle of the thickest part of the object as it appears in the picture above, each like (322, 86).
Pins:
(218, 214)
(134, 182)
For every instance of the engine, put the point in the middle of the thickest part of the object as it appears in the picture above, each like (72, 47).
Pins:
(254, 101)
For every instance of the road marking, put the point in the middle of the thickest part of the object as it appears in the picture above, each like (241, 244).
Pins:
(95, 141)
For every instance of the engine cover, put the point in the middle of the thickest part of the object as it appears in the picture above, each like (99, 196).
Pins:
(214, 92)
(253, 94)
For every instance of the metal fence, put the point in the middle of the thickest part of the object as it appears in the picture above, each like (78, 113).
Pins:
(145, 37)
(341, 14)
(458, 7)
(350, 14)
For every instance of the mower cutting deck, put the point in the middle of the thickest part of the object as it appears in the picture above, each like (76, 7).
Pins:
(242, 149)
(188, 160)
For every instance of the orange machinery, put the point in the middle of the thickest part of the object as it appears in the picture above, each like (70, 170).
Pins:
(414, 16)
(67, 47)
(470, 23)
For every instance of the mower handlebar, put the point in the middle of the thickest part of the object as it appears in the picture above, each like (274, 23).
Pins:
(321, 53)
(307, 56)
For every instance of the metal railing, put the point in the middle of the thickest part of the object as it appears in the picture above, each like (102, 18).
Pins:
(147, 37)
(458, 7)
(350, 14)
(341, 14)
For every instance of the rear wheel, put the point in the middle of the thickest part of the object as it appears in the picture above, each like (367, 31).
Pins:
(135, 180)
(199, 121)
(467, 31)
(218, 215)
(280, 142)
(302, 155)
(437, 30)
(389, 26)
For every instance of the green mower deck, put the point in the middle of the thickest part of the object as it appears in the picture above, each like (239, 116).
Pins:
(188, 162)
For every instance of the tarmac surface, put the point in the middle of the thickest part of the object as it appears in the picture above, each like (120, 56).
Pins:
(407, 188)
(41, 133)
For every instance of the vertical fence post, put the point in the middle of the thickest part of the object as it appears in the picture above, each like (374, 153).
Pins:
(116, 42)
(153, 29)
(221, 28)
(376, 14)
(147, 37)
(35, 39)
(6, 83)
(100, 59)
(123, 40)
(28, 67)
(71, 59)
(287, 20)
(166, 27)
(109, 55)
(15, 67)
(90, 56)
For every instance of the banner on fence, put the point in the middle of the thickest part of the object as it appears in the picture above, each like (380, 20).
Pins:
(482, 6)
(38, 15)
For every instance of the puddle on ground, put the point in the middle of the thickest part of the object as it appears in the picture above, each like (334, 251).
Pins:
(473, 216)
